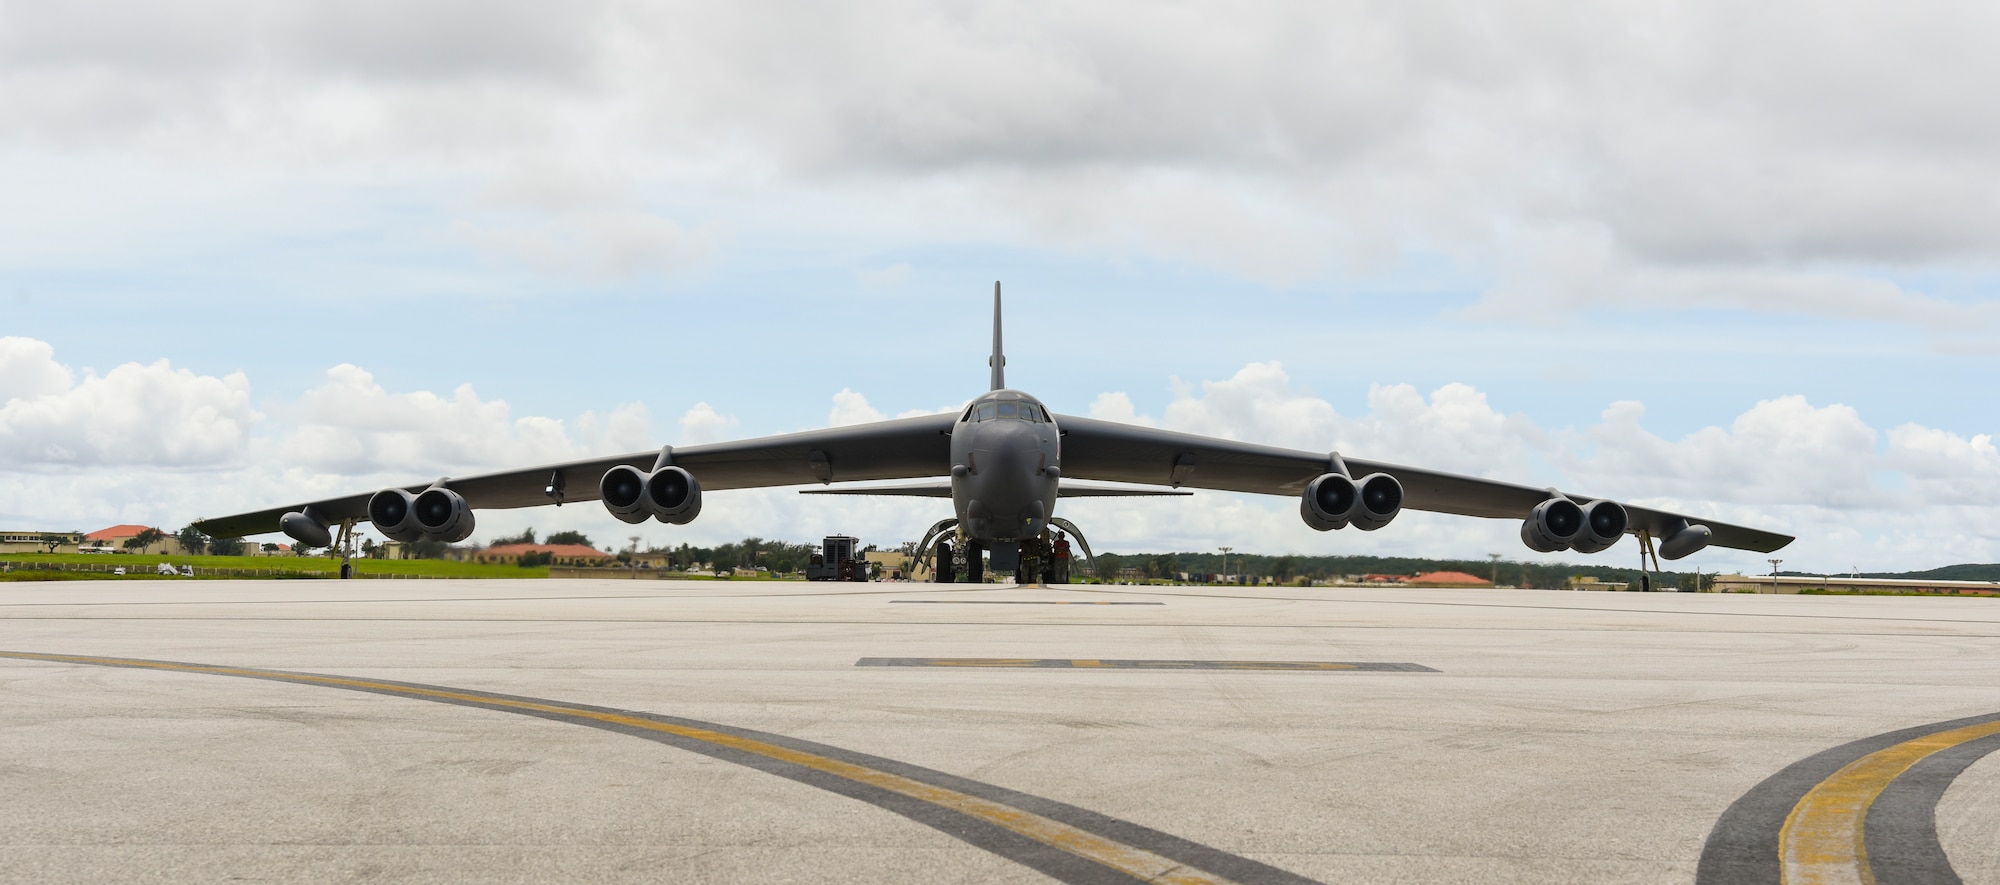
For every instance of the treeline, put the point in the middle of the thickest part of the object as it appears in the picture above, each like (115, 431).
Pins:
(1962, 572)
(1289, 567)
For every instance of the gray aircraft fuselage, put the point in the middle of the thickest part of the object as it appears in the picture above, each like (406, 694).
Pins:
(1006, 459)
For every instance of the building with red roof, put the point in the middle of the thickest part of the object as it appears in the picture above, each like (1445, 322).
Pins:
(114, 539)
(1449, 579)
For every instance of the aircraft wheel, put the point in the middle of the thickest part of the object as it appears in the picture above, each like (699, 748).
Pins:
(947, 571)
(975, 564)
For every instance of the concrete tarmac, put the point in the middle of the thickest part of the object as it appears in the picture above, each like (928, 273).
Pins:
(559, 730)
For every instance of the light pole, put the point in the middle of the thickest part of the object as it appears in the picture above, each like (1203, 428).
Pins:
(1774, 574)
(1225, 562)
(1496, 567)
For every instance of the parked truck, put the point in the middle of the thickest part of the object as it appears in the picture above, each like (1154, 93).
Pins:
(839, 559)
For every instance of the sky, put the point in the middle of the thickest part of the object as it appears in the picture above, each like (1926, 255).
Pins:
(1735, 261)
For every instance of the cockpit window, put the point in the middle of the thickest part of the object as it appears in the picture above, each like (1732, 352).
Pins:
(1018, 411)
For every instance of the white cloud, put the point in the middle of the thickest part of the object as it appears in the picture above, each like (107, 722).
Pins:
(351, 426)
(82, 454)
(152, 415)
(1927, 497)
(851, 408)
(28, 368)
(702, 424)
(1801, 158)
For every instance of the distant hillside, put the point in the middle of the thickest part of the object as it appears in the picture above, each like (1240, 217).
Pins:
(1963, 572)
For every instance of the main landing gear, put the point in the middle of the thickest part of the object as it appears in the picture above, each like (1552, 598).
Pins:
(1045, 559)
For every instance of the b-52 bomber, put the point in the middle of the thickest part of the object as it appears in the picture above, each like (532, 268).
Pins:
(1004, 461)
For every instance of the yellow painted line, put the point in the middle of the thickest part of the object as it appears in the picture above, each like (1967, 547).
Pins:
(1823, 842)
(1086, 662)
(984, 662)
(1125, 858)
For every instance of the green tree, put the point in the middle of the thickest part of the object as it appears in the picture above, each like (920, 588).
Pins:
(425, 549)
(226, 546)
(53, 541)
(193, 542)
(1284, 567)
(1108, 566)
(144, 539)
(569, 537)
(270, 547)
(368, 548)
(527, 536)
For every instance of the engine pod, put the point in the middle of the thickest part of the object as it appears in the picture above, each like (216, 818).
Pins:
(1604, 523)
(394, 514)
(623, 491)
(1331, 501)
(443, 515)
(1553, 525)
(1381, 498)
(673, 495)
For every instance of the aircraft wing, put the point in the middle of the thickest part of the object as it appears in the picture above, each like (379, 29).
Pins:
(943, 490)
(1107, 450)
(904, 448)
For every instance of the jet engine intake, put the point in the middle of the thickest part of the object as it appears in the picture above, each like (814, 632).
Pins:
(1381, 500)
(673, 495)
(443, 515)
(1332, 501)
(623, 491)
(1553, 525)
(394, 513)
(1604, 523)
(670, 494)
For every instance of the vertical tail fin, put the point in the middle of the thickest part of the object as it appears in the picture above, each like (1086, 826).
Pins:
(998, 360)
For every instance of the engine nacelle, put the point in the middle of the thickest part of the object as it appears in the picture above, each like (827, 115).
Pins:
(670, 494)
(1553, 525)
(1604, 523)
(394, 513)
(1685, 541)
(305, 529)
(1381, 500)
(442, 515)
(1330, 502)
(623, 491)
(673, 495)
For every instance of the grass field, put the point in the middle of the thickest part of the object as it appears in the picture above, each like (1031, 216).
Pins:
(137, 566)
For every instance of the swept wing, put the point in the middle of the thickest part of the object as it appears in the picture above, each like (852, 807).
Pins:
(1106, 450)
(904, 448)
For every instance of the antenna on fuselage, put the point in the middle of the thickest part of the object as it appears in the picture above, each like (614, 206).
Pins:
(998, 360)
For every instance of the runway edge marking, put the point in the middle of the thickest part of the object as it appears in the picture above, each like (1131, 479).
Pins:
(1063, 841)
(1862, 812)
